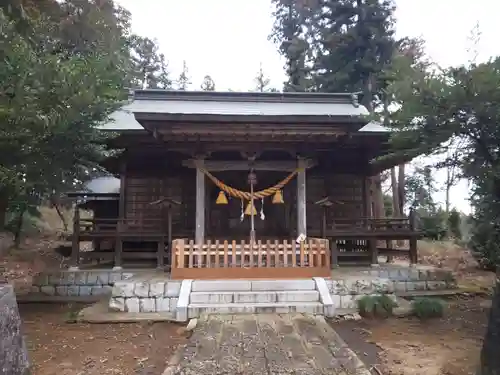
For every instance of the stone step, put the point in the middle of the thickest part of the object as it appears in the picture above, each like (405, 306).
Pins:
(255, 297)
(252, 285)
(197, 309)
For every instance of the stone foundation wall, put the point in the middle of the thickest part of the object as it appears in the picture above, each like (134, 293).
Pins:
(346, 292)
(13, 353)
(79, 283)
(145, 296)
(419, 278)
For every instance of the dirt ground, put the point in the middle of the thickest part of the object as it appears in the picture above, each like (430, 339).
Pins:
(60, 348)
(402, 346)
(407, 346)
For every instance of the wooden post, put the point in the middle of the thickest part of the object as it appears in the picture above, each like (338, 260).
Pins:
(301, 198)
(367, 201)
(160, 255)
(372, 245)
(413, 239)
(200, 203)
(75, 243)
(323, 222)
(121, 216)
(169, 237)
(169, 226)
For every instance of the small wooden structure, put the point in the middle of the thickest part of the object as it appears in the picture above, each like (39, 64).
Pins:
(199, 149)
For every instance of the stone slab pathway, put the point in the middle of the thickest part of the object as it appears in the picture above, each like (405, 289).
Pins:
(265, 345)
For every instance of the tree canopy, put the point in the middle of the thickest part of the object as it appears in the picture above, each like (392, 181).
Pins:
(66, 66)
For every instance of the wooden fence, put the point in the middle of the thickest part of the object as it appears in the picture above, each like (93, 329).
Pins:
(242, 260)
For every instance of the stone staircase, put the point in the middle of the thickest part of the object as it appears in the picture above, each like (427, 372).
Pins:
(184, 299)
(253, 297)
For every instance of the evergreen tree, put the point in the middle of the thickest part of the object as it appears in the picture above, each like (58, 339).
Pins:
(261, 80)
(57, 89)
(463, 102)
(454, 223)
(149, 68)
(208, 84)
(336, 45)
(289, 34)
(184, 80)
(356, 46)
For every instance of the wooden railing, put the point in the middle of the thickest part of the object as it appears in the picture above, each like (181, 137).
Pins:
(105, 227)
(235, 260)
(370, 224)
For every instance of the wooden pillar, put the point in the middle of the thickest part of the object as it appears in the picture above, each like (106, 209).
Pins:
(323, 222)
(301, 198)
(367, 197)
(75, 241)
(121, 218)
(160, 254)
(169, 240)
(413, 239)
(372, 244)
(200, 203)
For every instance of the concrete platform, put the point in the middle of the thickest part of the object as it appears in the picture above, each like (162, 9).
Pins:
(100, 313)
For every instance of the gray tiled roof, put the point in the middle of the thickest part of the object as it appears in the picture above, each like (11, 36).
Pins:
(234, 103)
(123, 119)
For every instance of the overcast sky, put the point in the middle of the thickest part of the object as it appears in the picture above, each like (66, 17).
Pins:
(228, 39)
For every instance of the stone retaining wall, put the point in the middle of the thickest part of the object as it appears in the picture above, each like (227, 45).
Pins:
(145, 296)
(78, 283)
(419, 278)
(346, 292)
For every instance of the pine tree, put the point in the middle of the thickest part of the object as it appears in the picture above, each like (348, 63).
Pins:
(208, 84)
(149, 68)
(184, 80)
(335, 45)
(356, 45)
(288, 33)
(261, 81)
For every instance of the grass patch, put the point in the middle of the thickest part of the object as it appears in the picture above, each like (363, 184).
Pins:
(376, 306)
(427, 308)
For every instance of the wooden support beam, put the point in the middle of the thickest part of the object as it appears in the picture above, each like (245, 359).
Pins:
(244, 165)
(372, 246)
(301, 198)
(121, 217)
(200, 202)
(75, 243)
(160, 260)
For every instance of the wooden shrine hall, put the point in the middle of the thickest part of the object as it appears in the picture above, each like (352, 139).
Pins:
(241, 185)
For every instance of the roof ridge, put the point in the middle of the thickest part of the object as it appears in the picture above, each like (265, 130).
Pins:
(233, 96)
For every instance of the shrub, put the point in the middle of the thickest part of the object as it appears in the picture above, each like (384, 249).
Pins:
(426, 308)
(376, 306)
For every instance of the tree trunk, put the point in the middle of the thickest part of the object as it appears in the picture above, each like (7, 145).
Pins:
(448, 188)
(61, 216)
(490, 358)
(4, 203)
(19, 227)
(379, 197)
(395, 195)
(401, 188)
